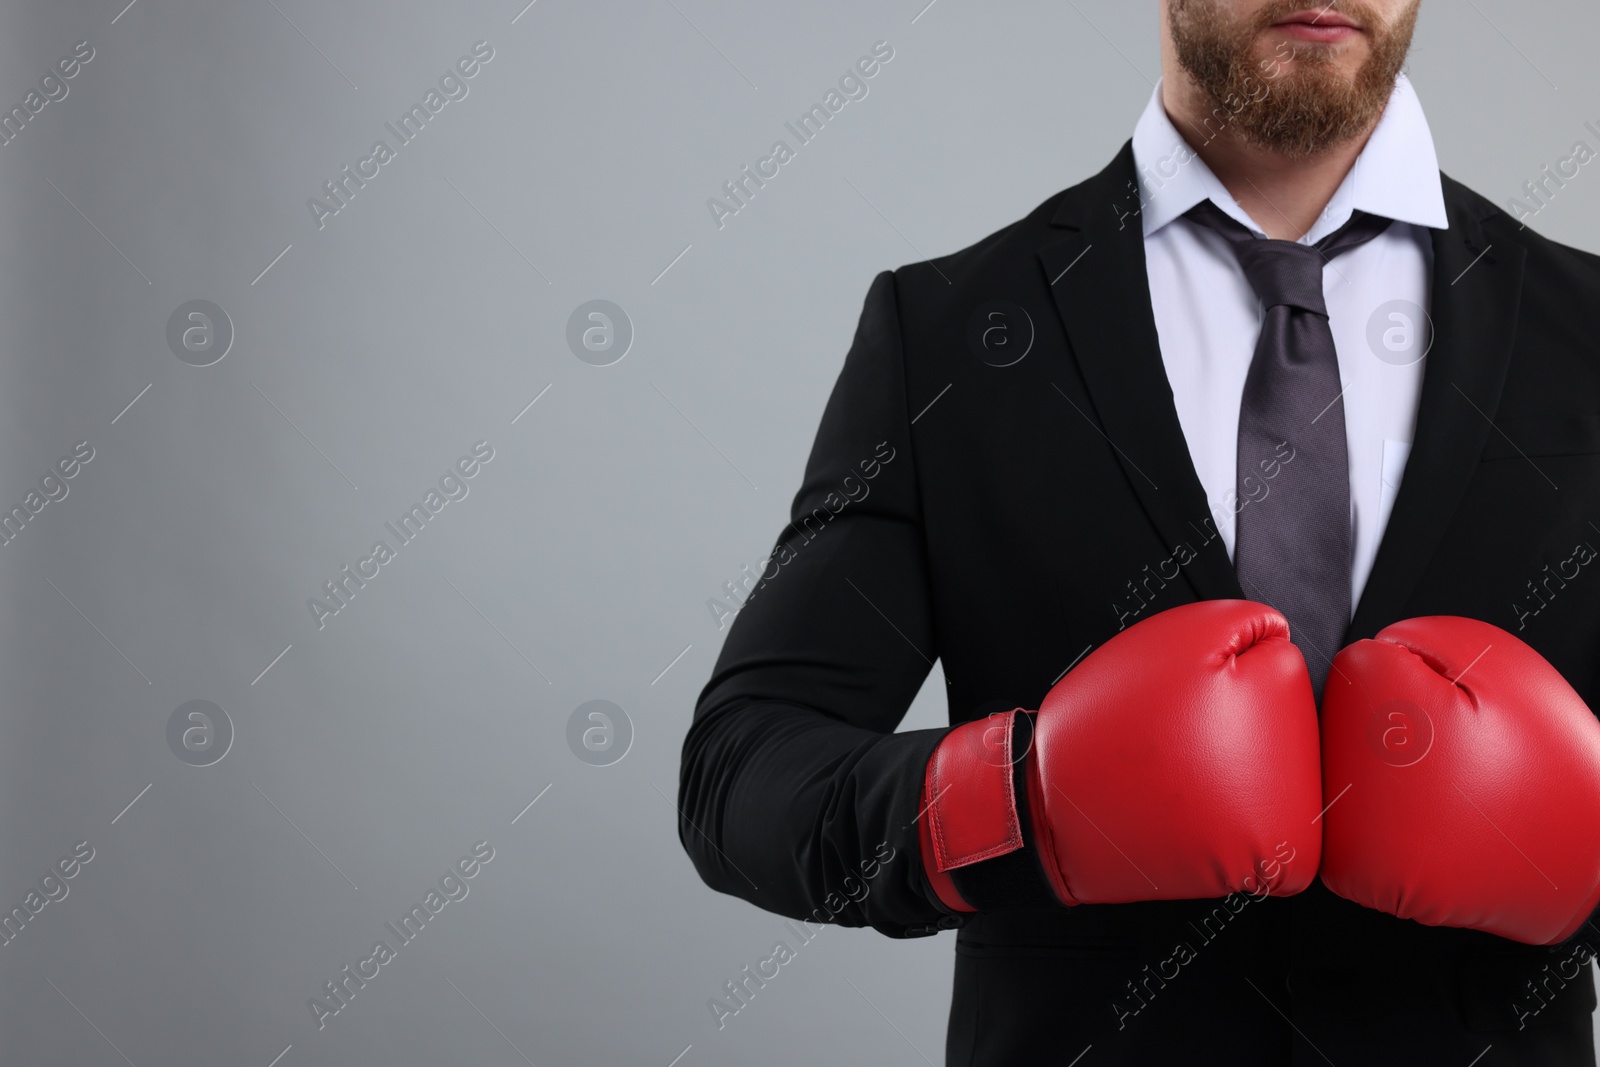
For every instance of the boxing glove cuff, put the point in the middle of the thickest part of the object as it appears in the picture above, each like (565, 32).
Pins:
(969, 794)
(976, 831)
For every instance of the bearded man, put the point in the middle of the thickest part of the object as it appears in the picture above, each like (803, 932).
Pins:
(1238, 490)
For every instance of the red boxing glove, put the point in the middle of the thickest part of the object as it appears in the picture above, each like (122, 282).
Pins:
(1463, 778)
(1178, 761)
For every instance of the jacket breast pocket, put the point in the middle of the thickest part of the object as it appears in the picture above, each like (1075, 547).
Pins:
(1541, 435)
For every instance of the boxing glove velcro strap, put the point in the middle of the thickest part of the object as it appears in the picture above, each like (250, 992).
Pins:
(1016, 880)
(970, 794)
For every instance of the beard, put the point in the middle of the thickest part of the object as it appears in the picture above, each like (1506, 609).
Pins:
(1310, 104)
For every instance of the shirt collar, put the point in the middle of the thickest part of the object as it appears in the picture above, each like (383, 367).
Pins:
(1395, 176)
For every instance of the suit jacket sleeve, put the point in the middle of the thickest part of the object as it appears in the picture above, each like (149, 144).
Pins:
(795, 793)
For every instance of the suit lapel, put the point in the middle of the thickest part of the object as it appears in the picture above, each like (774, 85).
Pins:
(1096, 275)
(1476, 292)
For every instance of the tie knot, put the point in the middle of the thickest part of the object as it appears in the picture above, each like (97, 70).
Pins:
(1287, 272)
(1284, 272)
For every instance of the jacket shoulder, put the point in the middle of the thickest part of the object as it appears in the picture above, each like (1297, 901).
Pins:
(1558, 313)
(993, 256)
(1547, 258)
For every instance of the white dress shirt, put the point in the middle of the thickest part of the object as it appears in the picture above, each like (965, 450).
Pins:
(1208, 317)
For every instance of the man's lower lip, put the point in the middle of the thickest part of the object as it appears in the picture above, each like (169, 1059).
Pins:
(1305, 31)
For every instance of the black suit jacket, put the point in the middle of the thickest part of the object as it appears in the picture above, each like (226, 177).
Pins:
(1005, 519)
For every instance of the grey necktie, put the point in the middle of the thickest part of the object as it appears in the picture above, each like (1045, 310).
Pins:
(1292, 545)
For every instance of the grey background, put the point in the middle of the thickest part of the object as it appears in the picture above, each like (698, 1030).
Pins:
(422, 318)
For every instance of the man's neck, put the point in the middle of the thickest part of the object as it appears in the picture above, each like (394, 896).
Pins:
(1284, 196)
